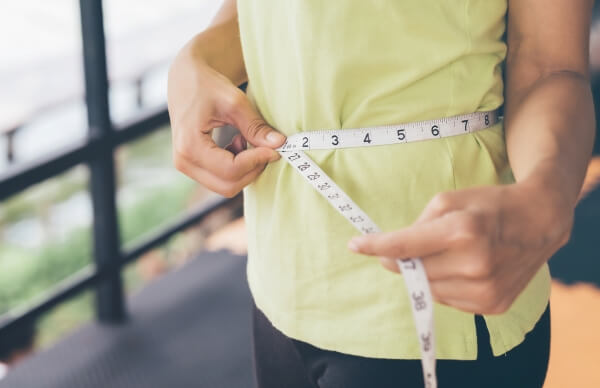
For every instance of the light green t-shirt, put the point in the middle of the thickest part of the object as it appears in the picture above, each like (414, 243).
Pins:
(315, 64)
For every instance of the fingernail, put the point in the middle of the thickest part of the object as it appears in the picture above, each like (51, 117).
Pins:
(274, 137)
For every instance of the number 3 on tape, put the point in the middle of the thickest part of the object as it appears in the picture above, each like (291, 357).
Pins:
(417, 285)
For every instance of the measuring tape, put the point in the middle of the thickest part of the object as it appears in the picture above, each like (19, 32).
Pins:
(412, 269)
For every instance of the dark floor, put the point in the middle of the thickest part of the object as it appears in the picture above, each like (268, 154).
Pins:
(190, 328)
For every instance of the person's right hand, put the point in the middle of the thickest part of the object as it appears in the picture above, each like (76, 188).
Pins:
(201, 99)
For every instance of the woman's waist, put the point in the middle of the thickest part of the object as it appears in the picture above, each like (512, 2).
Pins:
(387, 177)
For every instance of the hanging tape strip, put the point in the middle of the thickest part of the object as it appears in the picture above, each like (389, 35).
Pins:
(413, 271)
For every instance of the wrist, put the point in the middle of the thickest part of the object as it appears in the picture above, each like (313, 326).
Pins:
(547, 198)
(543, 215)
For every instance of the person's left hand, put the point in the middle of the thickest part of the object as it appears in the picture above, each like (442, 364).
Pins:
(480, 246)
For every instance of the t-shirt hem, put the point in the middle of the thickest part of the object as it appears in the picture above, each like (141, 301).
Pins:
(321, 335)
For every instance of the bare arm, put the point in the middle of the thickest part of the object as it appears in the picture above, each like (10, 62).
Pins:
(482, 245)
(549, 110)
(202, 95)
(219, 44)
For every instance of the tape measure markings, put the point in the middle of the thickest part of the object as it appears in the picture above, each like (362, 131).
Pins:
(415, 278)
(389, 134)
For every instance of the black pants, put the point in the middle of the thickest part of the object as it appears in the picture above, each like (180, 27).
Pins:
(283, 362)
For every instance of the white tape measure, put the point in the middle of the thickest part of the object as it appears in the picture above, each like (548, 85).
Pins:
(412, 268)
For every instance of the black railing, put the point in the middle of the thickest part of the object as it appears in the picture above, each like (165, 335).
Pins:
(97, 152)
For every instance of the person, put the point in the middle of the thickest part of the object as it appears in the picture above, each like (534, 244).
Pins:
(483, 210)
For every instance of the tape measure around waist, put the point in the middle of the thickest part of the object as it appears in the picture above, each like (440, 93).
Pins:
(412, 269)
(389, 134)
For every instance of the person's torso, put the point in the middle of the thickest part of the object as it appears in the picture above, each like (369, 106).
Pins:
(315, 64)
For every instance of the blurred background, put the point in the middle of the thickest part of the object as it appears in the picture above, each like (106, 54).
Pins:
(137, 277)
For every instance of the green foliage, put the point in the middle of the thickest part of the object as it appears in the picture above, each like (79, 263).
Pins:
(156, 207)
(27, 273)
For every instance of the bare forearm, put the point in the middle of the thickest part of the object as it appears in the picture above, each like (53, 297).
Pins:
(549, 131)
(549, 115)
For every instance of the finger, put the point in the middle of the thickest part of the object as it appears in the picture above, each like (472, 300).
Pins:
(253, 127)
(229, 147)
(439, 205)
(237, 145)
(243, 144)
(389, 264)
(455, 293)
(251, 158)
(449, 264)
(217, 184)
(456, 263)
(441, 265)
(479, 297)
(228, 166)
(451, 291)
(416, 240)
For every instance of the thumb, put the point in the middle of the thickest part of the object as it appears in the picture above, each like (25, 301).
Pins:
(253, 127)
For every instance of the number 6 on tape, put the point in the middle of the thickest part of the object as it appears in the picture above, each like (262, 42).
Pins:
(415, 279)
